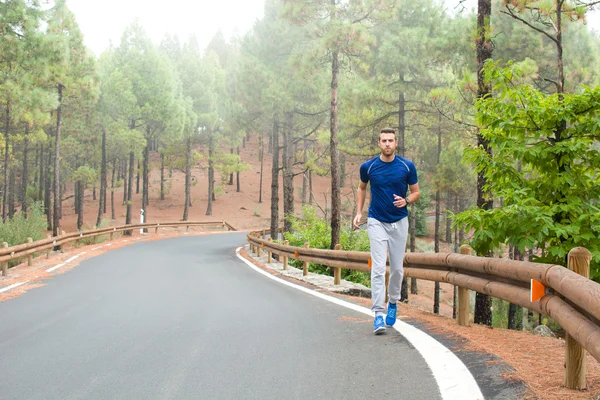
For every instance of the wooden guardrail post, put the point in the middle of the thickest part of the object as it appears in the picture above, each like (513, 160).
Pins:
(156, 229)
(337, 271)
(305, 269)
(464, 306)
(30, 256)
(285, 258)
(258, 250)
(575, 357)
(4, 263)
(269, 252)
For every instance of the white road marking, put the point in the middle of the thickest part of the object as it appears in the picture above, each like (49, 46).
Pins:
(96, 248)
(6, 289)
(74, 257)
(56, 267)
(454, 379)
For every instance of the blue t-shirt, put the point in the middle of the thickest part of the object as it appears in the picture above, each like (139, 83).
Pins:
(387, 179)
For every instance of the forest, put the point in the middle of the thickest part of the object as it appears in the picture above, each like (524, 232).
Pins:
(498, 109)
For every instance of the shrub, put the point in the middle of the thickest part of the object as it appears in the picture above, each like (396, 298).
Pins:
(316, 231)
(16, 230)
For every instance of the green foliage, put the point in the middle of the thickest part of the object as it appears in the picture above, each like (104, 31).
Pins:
(543, 167)
(315, 230)
(16, 230)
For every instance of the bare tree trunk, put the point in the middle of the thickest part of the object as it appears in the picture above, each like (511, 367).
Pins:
(137, 178)
(128, 215)
(145, 185)
(102, 204)
(211, 178)
(448, 202)
(275, 179)
(231, 173)
(261, 156)
(25, 174)
(81, 192)
(484, 47)
(288, 174)
(57, 198)
(162, 176)
(126, 182)
(11, 193)
(188, 177)
(42, 180)
(333, 149)
(112, 191)
(6, 158)
(48, 191)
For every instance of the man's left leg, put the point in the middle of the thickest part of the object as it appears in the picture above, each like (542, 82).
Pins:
(397, 245)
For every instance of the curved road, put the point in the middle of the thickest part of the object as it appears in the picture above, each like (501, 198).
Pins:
(186, 319)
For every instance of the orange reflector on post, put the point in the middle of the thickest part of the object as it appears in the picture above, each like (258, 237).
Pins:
(295, 254)
(262, 245)
(538, 290)
(370, 263)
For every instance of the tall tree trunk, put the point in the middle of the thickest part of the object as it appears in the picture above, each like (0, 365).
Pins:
(145, 180)
(57, 199)
(42, 180)
(25, 174)
(112, 191)
(484, 47)
(333, 148)
(231, 173)
(81, 192)
(128, 214)
(48, 191)
(288, 174)
(102, 204)
(436, 240)
(11, 193)
(275, 179)
(188, 177)
(137, 178)
(237, 174)
(126, 181)
(162, 175)
(211, 178)
(76, 197)
(261, 156)
(311, 197)
(6, 158)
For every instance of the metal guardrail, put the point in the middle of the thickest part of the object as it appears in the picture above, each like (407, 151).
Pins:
(571, 299)
(28, 249)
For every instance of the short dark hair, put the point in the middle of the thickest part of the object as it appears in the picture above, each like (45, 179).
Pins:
(386, 130)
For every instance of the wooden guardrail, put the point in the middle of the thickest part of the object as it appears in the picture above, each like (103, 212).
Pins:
(28, 249)
(572, 299)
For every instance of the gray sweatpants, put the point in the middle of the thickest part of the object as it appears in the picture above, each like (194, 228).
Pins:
(383, 237)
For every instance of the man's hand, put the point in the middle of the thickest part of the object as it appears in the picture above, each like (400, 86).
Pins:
(357, 221)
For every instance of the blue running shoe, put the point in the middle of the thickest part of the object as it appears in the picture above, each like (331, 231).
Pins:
(378, 326)
(390, 318)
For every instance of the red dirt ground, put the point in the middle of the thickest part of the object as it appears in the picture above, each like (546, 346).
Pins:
(537, 361)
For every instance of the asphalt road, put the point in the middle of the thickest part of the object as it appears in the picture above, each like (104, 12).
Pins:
(186, 319)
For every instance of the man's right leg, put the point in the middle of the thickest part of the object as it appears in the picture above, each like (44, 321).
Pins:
(378, 240)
